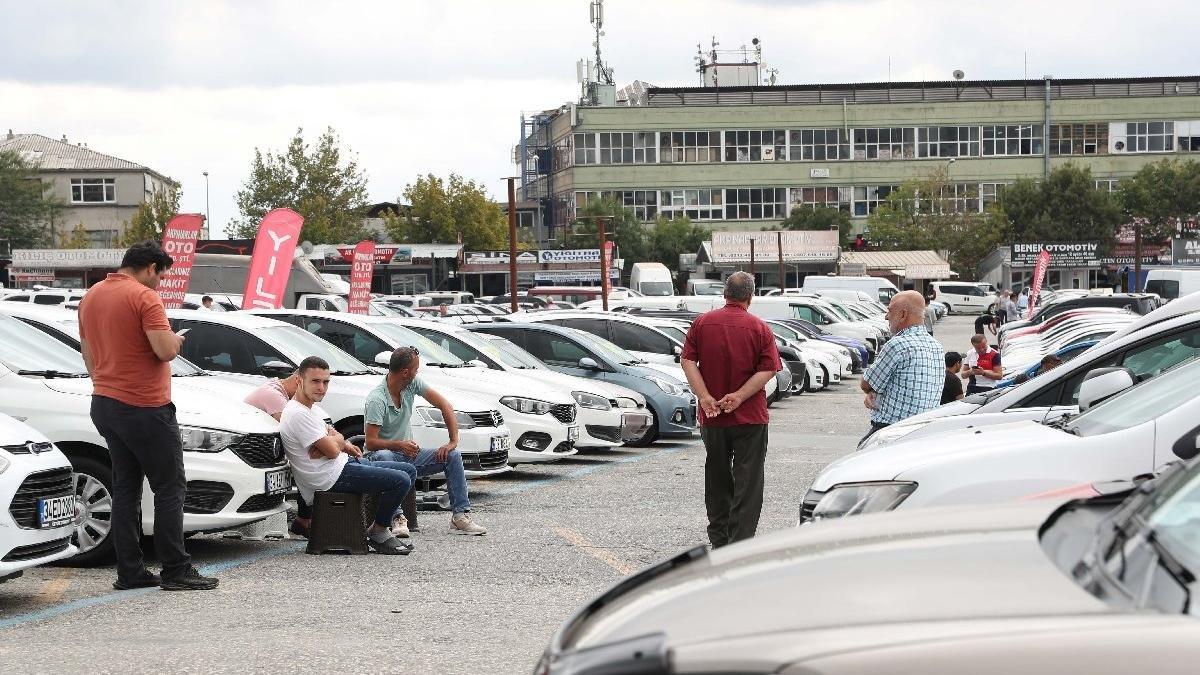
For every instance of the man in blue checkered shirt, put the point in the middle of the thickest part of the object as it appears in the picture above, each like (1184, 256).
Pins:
(907, 376)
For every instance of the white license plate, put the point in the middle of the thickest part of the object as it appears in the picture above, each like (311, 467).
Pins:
(56, 511)
(499, 443)
(278, 482)
(572, 433)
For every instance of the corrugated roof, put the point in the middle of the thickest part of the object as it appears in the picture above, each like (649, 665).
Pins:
(892, 259)
(51, 155)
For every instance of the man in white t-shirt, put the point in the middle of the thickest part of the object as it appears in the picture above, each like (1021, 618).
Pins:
(324, 461)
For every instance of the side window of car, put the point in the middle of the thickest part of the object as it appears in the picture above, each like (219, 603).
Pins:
(808, 314)
(554, 349)
(1150, 359)
(48, 299)
(455, 347)
(215, 348)
(597, 327)
(639, 338)
(261, 353)
(352, 339)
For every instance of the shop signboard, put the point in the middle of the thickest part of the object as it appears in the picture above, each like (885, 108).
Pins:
(798, 246)
(362, 267)
(1185, 252)
(569, 255)
(68, 258)
(179, 242)
(1062, 254)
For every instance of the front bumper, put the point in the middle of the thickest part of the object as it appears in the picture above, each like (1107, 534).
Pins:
(224, 492)
(22, 546)
(482, 456)
(609, 428)
(541, 438)
(676, 416)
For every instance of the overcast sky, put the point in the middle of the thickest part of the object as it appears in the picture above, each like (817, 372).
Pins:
(439, 85)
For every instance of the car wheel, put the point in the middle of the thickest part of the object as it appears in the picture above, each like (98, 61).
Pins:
(651, 433)
(93, 513)
(827, 380)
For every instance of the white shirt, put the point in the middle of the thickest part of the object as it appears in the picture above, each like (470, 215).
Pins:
(299, 428)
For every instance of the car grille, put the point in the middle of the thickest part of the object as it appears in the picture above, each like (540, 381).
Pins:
(35, 551)
(485, 461)
(261, 503)
(259, 450)
(40, 485)
(809, 505)
(488, 418)
(610, 434)
(564, 413)
(204, 496)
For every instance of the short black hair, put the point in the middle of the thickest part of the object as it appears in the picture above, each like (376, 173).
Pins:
(310, 362)
(953, 359)
(141, 256)
(207, 298)
(402, 358)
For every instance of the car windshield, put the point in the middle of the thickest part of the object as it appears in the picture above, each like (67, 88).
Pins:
(838, 310)
(25, 348)
(674, 331)
(1173, 514)
(298, 344)
(431, 352)
(656, 288)
(1140, 404)
(708, 289)
(605, 348)
(514, 355)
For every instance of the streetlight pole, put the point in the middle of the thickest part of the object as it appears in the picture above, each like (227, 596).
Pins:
(207, 221)
(512, 243)
(604, 262)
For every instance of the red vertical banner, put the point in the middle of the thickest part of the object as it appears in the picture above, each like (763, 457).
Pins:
(1039, 274)
(274, 247)
(362, 267)
(606, 258)
(179, 242)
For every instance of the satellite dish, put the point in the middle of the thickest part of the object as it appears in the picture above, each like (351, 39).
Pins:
(958, 74)
(307, 247)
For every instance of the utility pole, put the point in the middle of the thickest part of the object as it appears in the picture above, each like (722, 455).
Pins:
(512, 243)
(604, 262)
(207, 222)
(1137, 257)
(1046, 131)
(782, 273)
(751, 255)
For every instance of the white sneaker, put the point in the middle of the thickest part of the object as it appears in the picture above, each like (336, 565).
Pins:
(462, 524)
(400, 527)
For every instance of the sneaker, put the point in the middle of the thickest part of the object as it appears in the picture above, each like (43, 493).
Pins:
(189, 580)
(400, 527)
(462, 524)
(146, 579)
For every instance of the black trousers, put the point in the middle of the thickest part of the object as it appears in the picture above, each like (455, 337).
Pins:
(144, 444)
(733, 480)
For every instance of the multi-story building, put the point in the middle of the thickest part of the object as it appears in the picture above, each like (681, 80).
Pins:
(100, 191)
(741, 158)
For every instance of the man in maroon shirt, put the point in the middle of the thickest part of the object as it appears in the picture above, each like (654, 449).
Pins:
(729, 356)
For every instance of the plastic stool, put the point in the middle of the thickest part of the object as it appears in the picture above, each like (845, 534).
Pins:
(337, 524)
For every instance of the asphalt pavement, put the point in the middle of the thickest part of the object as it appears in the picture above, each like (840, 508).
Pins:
(558, 535)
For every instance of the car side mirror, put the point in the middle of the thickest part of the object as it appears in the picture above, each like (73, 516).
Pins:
(588, 363)
(276, 369)
(384, 359)
(1103, 383)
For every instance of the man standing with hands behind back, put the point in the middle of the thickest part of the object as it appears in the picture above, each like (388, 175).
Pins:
(728, 357)
(127, 345)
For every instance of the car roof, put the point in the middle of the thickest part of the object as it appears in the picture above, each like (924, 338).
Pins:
(1182, 306)
(243, 320)
(43, 312)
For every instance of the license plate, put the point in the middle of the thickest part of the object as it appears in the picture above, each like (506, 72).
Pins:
(56, 511)
(572, 433)
(278, 482)
(499, 443)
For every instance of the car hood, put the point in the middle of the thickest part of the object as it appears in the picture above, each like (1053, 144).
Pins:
(954, 565)
(493, 383)
(945, 410)
(665, 369)
(571, 383)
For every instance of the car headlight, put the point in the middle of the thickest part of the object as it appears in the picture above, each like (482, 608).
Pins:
(625, 402)
(852, 499)
(890, 434)
(586, 400)
(530, 406)
(433, 417)
(668, 387)
(199, 439)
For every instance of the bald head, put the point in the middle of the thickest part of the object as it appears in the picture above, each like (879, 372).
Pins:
(907, 309)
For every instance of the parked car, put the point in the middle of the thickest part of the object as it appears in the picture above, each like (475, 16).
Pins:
(626, 331)
(1063, 355)
(1170, 284)
(962, 297)
(574, 352)
(879, 288)
(37, 500)
(1095, 586)
(1138, 303)
(55, 296)
(842, 357)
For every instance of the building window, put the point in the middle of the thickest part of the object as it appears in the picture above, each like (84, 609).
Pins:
(989, 193)
(628, 147)
(1012, 140)
(818, 145)
(820, 197)
(948, 142)
(101, 238)
(755, 203)
(756, 146)
(953, 198)
(525, 218)
(695, 204)
(1108, 184)
(585, 148)
(93, 190)
(1189, 144)
(1149, 137)
(888, 143)
(643, 203)
(1079, 139)
(690, 146)
(867, 198)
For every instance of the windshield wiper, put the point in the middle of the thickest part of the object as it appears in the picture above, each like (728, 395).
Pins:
(198, 373)
(51, 374)
(347, 372)
(1182, 575)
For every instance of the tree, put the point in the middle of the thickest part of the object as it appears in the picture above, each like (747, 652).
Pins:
(1161, 195)
(26, 206)
(315, 181)
(669, 238)
(820, 218)
(621, 224)
(151, 218)
(1067, 206)
(76, 238)
(447, 211)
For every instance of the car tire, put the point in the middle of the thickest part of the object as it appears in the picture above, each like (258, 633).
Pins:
(651, 434)
(93, 493)
(827, 380)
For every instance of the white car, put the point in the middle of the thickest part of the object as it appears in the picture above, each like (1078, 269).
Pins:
(235, 466)
(843, 362)
(247, 348)
(1128, 434)
(56, 296)
(540, 418)
(37, 500)
(632, 334)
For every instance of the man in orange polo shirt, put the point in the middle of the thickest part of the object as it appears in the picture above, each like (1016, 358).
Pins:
(127, 345)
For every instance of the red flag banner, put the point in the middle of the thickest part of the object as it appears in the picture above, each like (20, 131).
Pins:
(362, 266)
(1039, 274)
(271, 263)
(179, 242)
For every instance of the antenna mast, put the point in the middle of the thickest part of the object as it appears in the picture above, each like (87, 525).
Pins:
(603, 73)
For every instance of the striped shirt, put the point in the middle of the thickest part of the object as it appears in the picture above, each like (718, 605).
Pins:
(907, 376)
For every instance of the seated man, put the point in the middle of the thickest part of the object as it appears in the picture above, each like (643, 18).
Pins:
(322, 461)
(389, 435)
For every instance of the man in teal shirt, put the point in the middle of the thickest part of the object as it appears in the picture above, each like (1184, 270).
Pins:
(388, 420)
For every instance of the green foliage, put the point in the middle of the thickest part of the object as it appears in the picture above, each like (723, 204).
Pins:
(76, 238)
(821, 218)
(621, 225)
(315, 181)
(447, 211)
(1162, 194)
(1066, 207)
(671, 237)
(151, 218)
(26, 207)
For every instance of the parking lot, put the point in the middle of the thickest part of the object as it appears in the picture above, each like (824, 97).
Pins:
(558, 534)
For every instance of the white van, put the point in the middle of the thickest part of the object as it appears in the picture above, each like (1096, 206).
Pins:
(450, 298)
(651, 279)
(962, 296)
(1170, 284)
(875, 286)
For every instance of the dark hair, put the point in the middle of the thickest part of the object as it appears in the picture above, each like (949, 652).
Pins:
(1021, 378)
(953, 359)
(312, 362)
(402, 358)
(141, 256)
(207, 298)
(1051, 359)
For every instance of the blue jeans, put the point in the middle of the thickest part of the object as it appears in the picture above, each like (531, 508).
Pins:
(426, 464)
(392, 480)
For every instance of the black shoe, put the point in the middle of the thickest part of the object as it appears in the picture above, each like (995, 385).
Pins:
(299, 529)
(146, 579)
(189, 580)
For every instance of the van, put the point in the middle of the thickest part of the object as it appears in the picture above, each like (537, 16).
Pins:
(705, 287)
(651, 279)
(450, 298)
(962, 296)
(876, 287)
(1170, 284)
